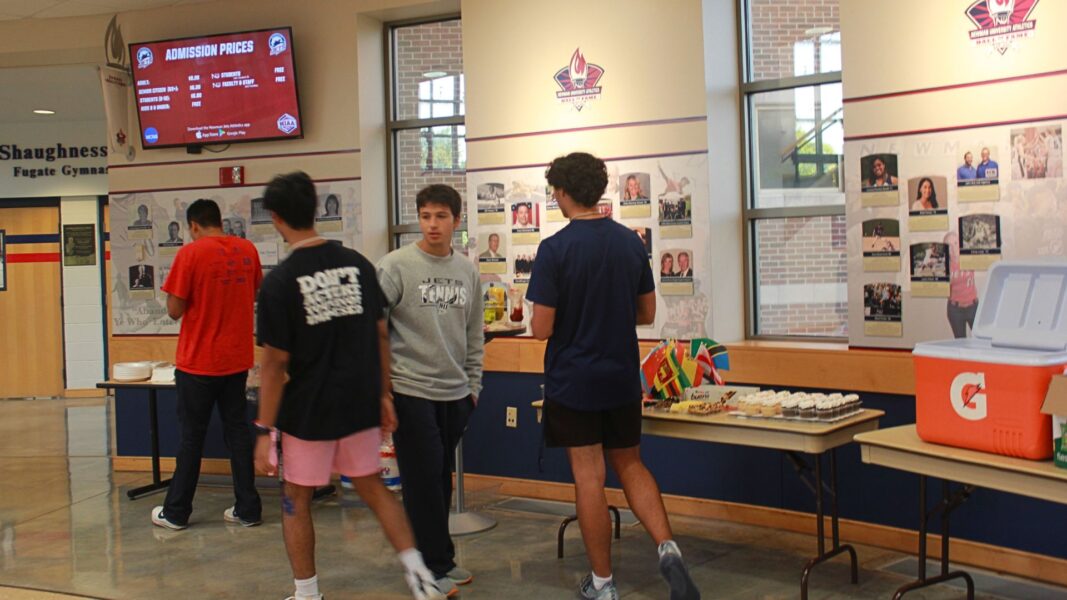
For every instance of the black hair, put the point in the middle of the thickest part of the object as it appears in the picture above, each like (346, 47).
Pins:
(933, 191)
(292, 197)
(582, 176)
(204, 213)
(439, 193)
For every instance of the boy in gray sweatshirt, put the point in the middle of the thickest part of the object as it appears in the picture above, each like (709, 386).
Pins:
(434, 303)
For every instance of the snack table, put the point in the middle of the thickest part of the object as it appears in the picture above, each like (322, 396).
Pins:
(795, 438)
(153, 428)
(901, 448)
(158, 483)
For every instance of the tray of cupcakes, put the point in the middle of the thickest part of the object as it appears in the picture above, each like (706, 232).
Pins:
(797, 406)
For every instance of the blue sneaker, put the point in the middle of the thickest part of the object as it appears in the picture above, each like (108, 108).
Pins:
(588, 592)
(346, 482)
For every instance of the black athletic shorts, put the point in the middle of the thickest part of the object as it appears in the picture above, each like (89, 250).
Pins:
(614, 428)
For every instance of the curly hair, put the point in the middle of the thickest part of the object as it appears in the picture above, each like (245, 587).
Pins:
(580, 175)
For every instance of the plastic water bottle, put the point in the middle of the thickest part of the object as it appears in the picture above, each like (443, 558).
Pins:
(390, 470)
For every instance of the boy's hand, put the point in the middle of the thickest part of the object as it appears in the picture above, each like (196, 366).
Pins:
(389, 420)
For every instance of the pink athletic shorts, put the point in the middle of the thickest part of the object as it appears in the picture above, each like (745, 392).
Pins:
(310, 463)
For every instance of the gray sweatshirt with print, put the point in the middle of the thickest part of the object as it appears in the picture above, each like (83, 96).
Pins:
(434, 307)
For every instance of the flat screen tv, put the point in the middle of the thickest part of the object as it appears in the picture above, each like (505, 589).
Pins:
(219, 89)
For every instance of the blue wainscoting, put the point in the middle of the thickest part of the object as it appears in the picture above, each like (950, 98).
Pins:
(714, 471)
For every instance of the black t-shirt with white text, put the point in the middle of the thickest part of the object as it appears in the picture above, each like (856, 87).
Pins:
(322, 305)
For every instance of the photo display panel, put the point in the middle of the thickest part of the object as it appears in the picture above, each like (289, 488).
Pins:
(222, 89)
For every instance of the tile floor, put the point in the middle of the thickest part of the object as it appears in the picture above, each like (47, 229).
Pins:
(66, 526)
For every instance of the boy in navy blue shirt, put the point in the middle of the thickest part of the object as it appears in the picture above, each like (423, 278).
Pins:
(591, 286)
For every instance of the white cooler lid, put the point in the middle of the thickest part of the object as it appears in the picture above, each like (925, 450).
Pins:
(1025, 306)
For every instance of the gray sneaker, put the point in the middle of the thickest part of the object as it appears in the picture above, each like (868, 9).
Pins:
(447, 586)
(586, 591)
(673, 569)
(460, 576)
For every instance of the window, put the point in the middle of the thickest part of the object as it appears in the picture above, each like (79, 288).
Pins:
(794, 197)
(425, 124)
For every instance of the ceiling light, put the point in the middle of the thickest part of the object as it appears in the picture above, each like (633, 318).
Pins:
(434, 74)
(41, 111)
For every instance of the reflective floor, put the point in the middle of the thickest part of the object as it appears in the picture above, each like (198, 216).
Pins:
(66, 526)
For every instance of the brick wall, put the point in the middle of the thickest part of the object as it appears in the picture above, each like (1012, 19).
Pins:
(422, 49)
(776, 25)
(802, 274)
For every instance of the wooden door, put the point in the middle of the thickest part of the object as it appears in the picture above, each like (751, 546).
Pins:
(31, 316)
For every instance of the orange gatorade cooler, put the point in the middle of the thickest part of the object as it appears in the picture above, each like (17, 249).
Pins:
(985, 392)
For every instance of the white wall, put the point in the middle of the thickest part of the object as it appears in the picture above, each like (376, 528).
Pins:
(83, 311)
(724, 169)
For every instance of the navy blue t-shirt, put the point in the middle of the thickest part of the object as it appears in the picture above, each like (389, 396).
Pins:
(592, 272)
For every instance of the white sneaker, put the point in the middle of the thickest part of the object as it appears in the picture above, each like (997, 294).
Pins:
(160, 521)
(230, 516)
(423, 587)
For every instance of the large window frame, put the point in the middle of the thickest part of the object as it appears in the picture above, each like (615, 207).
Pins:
(395, 125)
(751, 215)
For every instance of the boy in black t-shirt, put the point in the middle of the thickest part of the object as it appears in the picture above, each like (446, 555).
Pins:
(320, 321)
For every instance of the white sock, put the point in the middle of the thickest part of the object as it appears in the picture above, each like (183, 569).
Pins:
(600, 582)
(412, 561)
(307, 588)
(669, 547)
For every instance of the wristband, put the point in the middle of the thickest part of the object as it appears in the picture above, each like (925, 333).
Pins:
(262, 429)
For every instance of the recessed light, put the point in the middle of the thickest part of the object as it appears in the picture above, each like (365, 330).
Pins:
(42, 111)
(434, 74)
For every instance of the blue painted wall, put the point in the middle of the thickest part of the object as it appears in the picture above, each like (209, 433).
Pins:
(714, 471)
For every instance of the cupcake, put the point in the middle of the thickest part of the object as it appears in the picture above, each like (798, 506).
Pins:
(789, 408)
(769, 408)
(752, 407)
(852, 403)
(807, 409)
(824, 410)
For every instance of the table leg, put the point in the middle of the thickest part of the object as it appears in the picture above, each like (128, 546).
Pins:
(158, 483)
(948, 503)
(820, 528)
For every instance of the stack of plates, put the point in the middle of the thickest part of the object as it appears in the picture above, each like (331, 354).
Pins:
(163, 372)
(132, 371)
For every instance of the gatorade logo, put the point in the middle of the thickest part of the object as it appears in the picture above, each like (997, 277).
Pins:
(968, 396)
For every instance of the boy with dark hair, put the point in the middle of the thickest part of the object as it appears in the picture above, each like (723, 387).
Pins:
(434, 300)
(320, 323)
(588, 308)
(212, 289)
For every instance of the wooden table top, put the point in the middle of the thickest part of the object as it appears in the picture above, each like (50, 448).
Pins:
(802, 436)
(902, 448)
(112, 384)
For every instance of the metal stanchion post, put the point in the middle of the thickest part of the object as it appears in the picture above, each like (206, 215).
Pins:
(461, 521)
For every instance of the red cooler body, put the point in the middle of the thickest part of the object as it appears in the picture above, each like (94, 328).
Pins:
(985, 393)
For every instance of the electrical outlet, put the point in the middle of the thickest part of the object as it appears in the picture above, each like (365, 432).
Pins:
(512, 419)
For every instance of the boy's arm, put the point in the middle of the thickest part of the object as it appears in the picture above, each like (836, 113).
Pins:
(475, 339)
(389, 421)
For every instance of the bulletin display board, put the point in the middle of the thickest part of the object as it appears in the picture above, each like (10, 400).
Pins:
(149, 228)
(661, 199)
(929, 214)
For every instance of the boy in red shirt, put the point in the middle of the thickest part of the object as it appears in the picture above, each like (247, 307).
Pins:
(212, 288)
